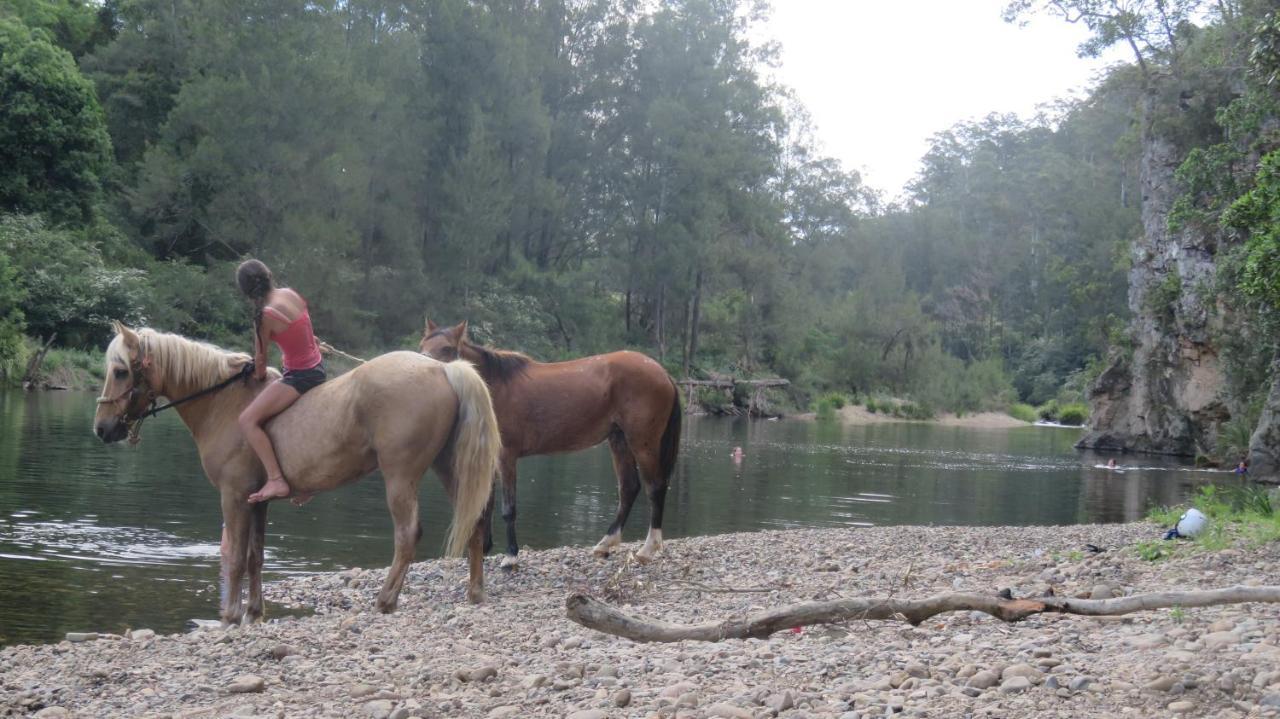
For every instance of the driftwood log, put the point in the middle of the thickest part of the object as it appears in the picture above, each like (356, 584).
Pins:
(597, 615)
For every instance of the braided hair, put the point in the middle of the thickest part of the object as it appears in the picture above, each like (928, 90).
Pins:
(254, 279)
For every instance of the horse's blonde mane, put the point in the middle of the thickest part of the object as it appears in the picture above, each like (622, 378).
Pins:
(183, 361)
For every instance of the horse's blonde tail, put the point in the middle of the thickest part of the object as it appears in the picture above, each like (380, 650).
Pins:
(476, 446)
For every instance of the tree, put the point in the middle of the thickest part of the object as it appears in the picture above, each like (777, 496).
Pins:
(53, 141)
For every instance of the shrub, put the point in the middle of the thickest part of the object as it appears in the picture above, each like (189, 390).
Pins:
(872, 406)
(1073, 414)
(913, 410)
(1024, 412)
(836, 399)
(826, 409)
(1048, 411)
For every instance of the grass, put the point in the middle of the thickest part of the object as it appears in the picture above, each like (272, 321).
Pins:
(1236, 515)
(1071, 413)
(1024, 412)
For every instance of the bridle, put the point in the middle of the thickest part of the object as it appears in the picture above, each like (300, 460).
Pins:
(140, 387)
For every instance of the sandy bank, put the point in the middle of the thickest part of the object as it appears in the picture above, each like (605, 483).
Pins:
(516, 655)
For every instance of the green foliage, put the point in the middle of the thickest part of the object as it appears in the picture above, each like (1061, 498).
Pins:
(1024, 412)
(872, 405)
(12, 296)
(67, 287)
(1177, 614)
(1162, 299)
(76, 26)
(1164, 516)
(1151, 550)
(1073, 414)
(53, 140)
(825, 409)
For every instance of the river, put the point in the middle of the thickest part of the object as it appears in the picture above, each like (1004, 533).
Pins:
(104, 538)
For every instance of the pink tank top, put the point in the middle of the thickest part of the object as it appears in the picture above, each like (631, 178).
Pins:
(297, 342)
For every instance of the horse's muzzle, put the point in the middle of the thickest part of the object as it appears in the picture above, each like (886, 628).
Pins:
(111, 430)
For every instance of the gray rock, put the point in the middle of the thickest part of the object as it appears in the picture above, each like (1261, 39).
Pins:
(1051, 683)
(505, 711)
(1022, 670)
(81, 636)
(361, 690)
(140, 635)
(379, 708)
(588, 714)
(533, 681)
(1218, 640)
(53, 713)
(1160, 684)
(1270, 700)
(781, 702)
(280, 651)
(622, 698)
(983, 680)
(1102, 591)
(1181, 707)
(729, 711)
(1015, 685)
(246, 684)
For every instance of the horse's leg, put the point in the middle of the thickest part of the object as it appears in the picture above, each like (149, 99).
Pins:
(624, 465)
(402, 500)
(237, 523)
(508, 469)
(475, 568)
(486, 522)
(254, 559)
(656, 487)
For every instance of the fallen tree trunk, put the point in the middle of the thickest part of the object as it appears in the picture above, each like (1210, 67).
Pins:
(597, 615)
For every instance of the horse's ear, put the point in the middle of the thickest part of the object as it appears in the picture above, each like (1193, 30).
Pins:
(130, 337)
(462, 332)
(431, 326)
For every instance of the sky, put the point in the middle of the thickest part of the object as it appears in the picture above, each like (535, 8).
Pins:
(879, 77)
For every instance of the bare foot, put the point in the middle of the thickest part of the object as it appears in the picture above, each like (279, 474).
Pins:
(301, 498)
(274, 489)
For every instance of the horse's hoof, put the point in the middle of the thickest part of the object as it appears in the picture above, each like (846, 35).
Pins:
(509, 562)
(643, 558)
(605, 546)
(386, 606)
(475, 596)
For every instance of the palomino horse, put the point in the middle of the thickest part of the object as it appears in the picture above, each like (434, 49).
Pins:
(402, 413)
(545, 408)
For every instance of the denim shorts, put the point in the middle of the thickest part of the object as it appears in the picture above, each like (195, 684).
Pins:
(304, 379)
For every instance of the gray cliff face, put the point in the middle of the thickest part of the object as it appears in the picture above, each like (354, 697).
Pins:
(1264, 445)
(1168, 396)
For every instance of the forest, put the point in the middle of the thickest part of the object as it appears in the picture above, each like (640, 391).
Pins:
(581, 176)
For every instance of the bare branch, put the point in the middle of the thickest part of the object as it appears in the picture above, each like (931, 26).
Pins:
(594, 614)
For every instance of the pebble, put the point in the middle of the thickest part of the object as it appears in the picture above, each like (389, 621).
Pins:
(1015, 684)
(588, 714)
(140, 635)
(246, 684)
(518, 656)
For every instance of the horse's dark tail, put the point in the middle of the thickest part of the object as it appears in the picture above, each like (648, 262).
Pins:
(670, 445)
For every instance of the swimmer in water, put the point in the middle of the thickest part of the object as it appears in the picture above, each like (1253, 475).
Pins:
(1111, 464)
(737, 455)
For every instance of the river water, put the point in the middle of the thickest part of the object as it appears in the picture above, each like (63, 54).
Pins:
(103, 538)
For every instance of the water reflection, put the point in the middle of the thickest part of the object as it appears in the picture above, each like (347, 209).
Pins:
(104, 538)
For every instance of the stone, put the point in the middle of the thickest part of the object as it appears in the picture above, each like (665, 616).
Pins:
(1022, 670)
(362, 690)
(588, 714)
(1181, 707)
(622, 698)
(141, 635)
(781, 702)
(1147, 641)
(983, 680)
(1270, 700)
(533, 681)
(81, 636)
(1080, 683)
(676, 690)
(1051, 683)
(1102, 591)
(729, 711)
(53, 713)
(1161, 684)
(280, 651)
(246, 684)
(477, 674)
(917, 670)
(504, 712)
(1015, 685)
(379, 709)
(1217, 640)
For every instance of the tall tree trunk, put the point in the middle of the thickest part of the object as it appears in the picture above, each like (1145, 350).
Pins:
(691, 349)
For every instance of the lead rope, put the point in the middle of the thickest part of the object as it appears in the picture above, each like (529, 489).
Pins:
(327, 348)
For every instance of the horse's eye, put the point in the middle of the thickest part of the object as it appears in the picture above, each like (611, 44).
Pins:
(122, 374)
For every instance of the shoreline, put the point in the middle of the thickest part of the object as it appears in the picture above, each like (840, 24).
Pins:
(516, 655)
(857, 416)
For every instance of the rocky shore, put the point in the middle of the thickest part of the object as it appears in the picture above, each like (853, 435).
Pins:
(516, 655)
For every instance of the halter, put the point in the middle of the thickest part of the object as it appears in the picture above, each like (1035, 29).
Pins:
(140, 385)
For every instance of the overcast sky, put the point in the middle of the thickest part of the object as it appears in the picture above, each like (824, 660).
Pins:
(879, 77)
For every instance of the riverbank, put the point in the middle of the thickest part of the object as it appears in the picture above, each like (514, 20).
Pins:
(858, 415)
(516, 655)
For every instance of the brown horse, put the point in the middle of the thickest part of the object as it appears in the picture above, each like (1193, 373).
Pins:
(402, 413)
(544, 408)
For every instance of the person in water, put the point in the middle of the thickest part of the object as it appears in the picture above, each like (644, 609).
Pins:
(1242, 468)
(1111, 463)
(280, 316)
